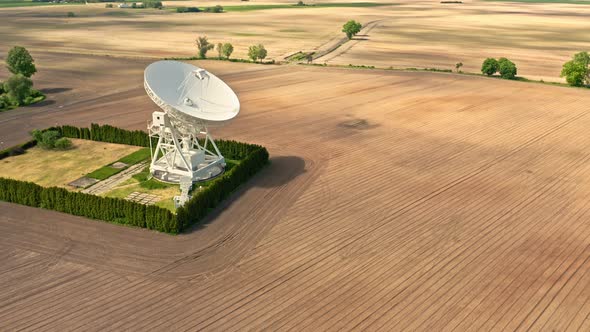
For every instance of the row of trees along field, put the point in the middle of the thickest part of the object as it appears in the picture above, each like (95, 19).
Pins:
(224, 50)
(576, 71)
(505, 67)
(18, 88)
(252, 158)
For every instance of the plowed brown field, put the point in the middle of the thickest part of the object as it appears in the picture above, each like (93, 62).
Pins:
(394, 201)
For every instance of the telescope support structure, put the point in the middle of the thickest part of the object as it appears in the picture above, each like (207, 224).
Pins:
(182, 157)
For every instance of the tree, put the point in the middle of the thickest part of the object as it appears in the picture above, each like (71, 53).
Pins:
(507, 68)
(458, 66)
(351, 28)
(219, 49)
(261, 52)
(227, 49)
(489, 66)
(203, 45)
(253, 52)
(19, 61)
(309, 57)
(18, 87)
(577, 71)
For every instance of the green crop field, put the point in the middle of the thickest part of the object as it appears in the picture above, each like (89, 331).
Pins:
(29, 3)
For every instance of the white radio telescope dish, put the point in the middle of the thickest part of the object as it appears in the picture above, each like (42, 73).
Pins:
(192, 100)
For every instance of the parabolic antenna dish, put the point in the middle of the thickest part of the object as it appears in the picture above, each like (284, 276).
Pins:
(191, 96)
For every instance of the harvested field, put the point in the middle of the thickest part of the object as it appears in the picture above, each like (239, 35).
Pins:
(539, 38)
(150, 33)
(56, 168)
(394, 200)
(426, 34)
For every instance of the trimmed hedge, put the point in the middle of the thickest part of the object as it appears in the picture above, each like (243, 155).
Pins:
(202, 202)
(114, 210)
(16, 150)
(252, 158)
(229, 149)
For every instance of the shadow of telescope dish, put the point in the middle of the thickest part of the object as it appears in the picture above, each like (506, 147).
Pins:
(192, 97)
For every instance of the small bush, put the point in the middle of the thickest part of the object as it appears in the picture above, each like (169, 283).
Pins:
(71, 14)
(47, 139)
(18, 87)
(181, 9)
(108, 5)
(215, 9)
(63, 143)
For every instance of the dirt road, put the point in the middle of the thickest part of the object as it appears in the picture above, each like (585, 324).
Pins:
(395, 200)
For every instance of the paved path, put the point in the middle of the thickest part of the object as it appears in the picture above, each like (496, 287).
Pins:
(108, 184)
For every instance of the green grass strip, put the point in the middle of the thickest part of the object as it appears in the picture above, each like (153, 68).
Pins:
(104, 172)
(107, 171)
(136, 157)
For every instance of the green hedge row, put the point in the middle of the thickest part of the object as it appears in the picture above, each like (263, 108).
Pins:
(113, 210)
(16, 150)
(203, 201)
(252, 158)
(229, 149)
